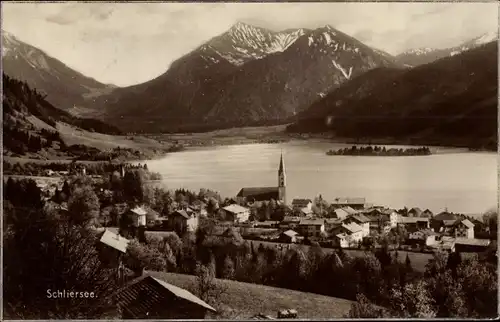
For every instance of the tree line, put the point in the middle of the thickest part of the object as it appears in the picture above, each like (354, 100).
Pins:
(380, 151)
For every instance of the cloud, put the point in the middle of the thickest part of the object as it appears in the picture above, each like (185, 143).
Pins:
(127, 43)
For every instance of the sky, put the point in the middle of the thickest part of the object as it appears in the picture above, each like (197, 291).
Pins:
(130, 43)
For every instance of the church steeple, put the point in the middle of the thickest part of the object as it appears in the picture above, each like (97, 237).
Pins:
(282, 166)
(282, 180)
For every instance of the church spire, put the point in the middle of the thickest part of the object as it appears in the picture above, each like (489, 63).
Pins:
(282, 166)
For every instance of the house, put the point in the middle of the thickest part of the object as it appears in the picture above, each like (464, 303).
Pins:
(148, 297)
(349, 235)
(236, 213)
(312, 227)
(355, 203)
(266, 224)
(138, 216)
(464, 229)
(111, 248)
(305, 212)
(413, 224)
(340, 213)
(379, 219)
(152, 216)
(289, 222)
(439, 221)
(332, 224)
(302, 203)
(415, 212)
(278, 193)
(471, 244)
(427, 214)
(289, 236)
(200, 207)
(182, 221)
(362, 221)
(425, 236)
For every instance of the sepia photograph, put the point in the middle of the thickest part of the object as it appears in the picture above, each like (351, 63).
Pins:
(249, 161)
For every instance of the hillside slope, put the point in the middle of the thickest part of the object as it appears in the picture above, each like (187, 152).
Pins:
(64, 87)
(34, 128)
(243, 300)
(451, 101)
(246, 76)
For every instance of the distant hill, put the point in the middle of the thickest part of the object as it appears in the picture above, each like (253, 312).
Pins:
(246, 76)
(420, 56)
(30, 122)
(452, 101)
(64, 87)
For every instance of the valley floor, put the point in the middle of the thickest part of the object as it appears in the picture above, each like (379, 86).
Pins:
(277, 134)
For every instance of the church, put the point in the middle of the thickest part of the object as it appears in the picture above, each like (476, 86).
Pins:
(252, 194)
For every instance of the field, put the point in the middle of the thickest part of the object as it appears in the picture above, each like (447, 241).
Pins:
(72, 135)
(244, 135)
(244, 300)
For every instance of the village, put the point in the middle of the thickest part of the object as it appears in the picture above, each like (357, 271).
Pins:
(350, 223)
(131, 211)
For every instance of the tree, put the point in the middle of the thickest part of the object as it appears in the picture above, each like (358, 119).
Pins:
(44, 251)
(408, 262)
(364, 309)
(174, 242)
(140, 256)
(133, 186)
(207, 287)
(83, 206)
(228, 268)
(413, 301)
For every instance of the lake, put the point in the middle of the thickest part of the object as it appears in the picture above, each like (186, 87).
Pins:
(464, 182)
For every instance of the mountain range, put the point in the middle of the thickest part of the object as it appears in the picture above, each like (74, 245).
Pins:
(62, 86)
(450, 101)
(245, 76)
(420, 56)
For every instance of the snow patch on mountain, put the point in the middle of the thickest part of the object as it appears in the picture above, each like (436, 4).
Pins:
(347, 75)
(486, 38)
(328, 39)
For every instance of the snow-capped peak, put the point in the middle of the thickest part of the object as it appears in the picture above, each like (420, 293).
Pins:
(8, 39)
(419, 51)
(486, 38)
(244, 42)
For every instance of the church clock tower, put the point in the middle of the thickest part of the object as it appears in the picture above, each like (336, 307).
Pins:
(282, 181)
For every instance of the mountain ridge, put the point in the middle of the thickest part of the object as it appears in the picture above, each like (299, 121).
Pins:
(63, 86)
(425, 55)
(453, 99)
(259, 82)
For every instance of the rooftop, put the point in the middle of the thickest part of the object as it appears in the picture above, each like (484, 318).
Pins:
(312, 222)
(182, 213)
(301, 202)
(235, 209)
(411, 220)
(259, 193)
(131, 301)
(352, 227)
(347, 201)
(472, 241)
(114, 240)
(291, 219)
(290, 233)
(139, 211)
(467, 223)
